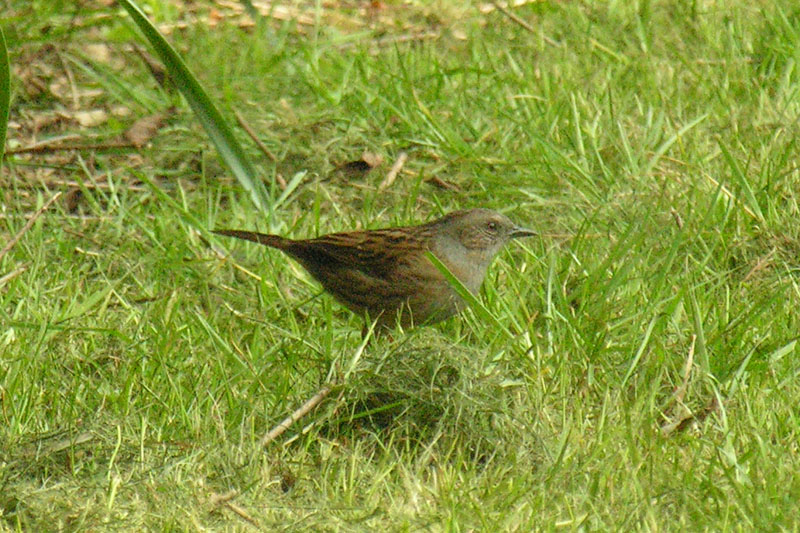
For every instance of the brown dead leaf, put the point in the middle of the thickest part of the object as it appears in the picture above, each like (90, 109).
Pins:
(121, 111)
(372, 159)
(88, 118)
(99, 52)
(214, 17)
(44, 121)
(60, 88)
(689, 418)
(144, 129)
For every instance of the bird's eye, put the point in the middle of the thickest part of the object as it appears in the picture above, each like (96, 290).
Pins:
(491, 226)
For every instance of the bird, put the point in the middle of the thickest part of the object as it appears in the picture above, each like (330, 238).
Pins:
(386, 274)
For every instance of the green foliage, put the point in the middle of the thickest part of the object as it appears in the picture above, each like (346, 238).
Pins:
(650, 377)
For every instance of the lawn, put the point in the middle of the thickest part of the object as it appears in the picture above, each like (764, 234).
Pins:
(639, 370)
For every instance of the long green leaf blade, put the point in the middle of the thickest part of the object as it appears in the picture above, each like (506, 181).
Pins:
(212, 120)
(5, 93)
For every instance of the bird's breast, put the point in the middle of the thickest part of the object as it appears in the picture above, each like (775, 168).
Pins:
(466, 265)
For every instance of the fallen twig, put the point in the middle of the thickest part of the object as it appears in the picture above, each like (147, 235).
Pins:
(394, 39)
(502, 9)
(442, 184)
(507, 12)
(45, 147)
(28, 225)
(96, 183)
(11, 275)
(304, 409)
(246, 127)
(392, 174)
(759, 265)
(488, 8)
(225, 499)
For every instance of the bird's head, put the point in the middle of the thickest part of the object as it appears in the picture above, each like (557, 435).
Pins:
(482, 231)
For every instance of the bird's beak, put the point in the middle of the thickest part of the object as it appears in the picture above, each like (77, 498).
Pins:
(522, 232)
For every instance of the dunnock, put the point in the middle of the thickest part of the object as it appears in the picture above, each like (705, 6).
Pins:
(386, 273)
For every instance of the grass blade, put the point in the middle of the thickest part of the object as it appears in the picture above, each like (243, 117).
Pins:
(736, 171)
(666, 145)
(468, 297)
(5, 93)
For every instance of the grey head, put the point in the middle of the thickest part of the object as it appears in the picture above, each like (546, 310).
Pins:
(467, 241)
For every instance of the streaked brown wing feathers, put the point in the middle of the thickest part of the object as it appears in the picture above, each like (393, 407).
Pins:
(377, 254)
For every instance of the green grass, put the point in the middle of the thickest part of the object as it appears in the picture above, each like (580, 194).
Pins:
(652, 144)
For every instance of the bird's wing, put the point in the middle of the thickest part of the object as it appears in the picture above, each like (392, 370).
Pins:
(380, 254)
(379, 271)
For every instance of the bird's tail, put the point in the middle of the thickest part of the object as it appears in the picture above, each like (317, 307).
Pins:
(273, 241)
